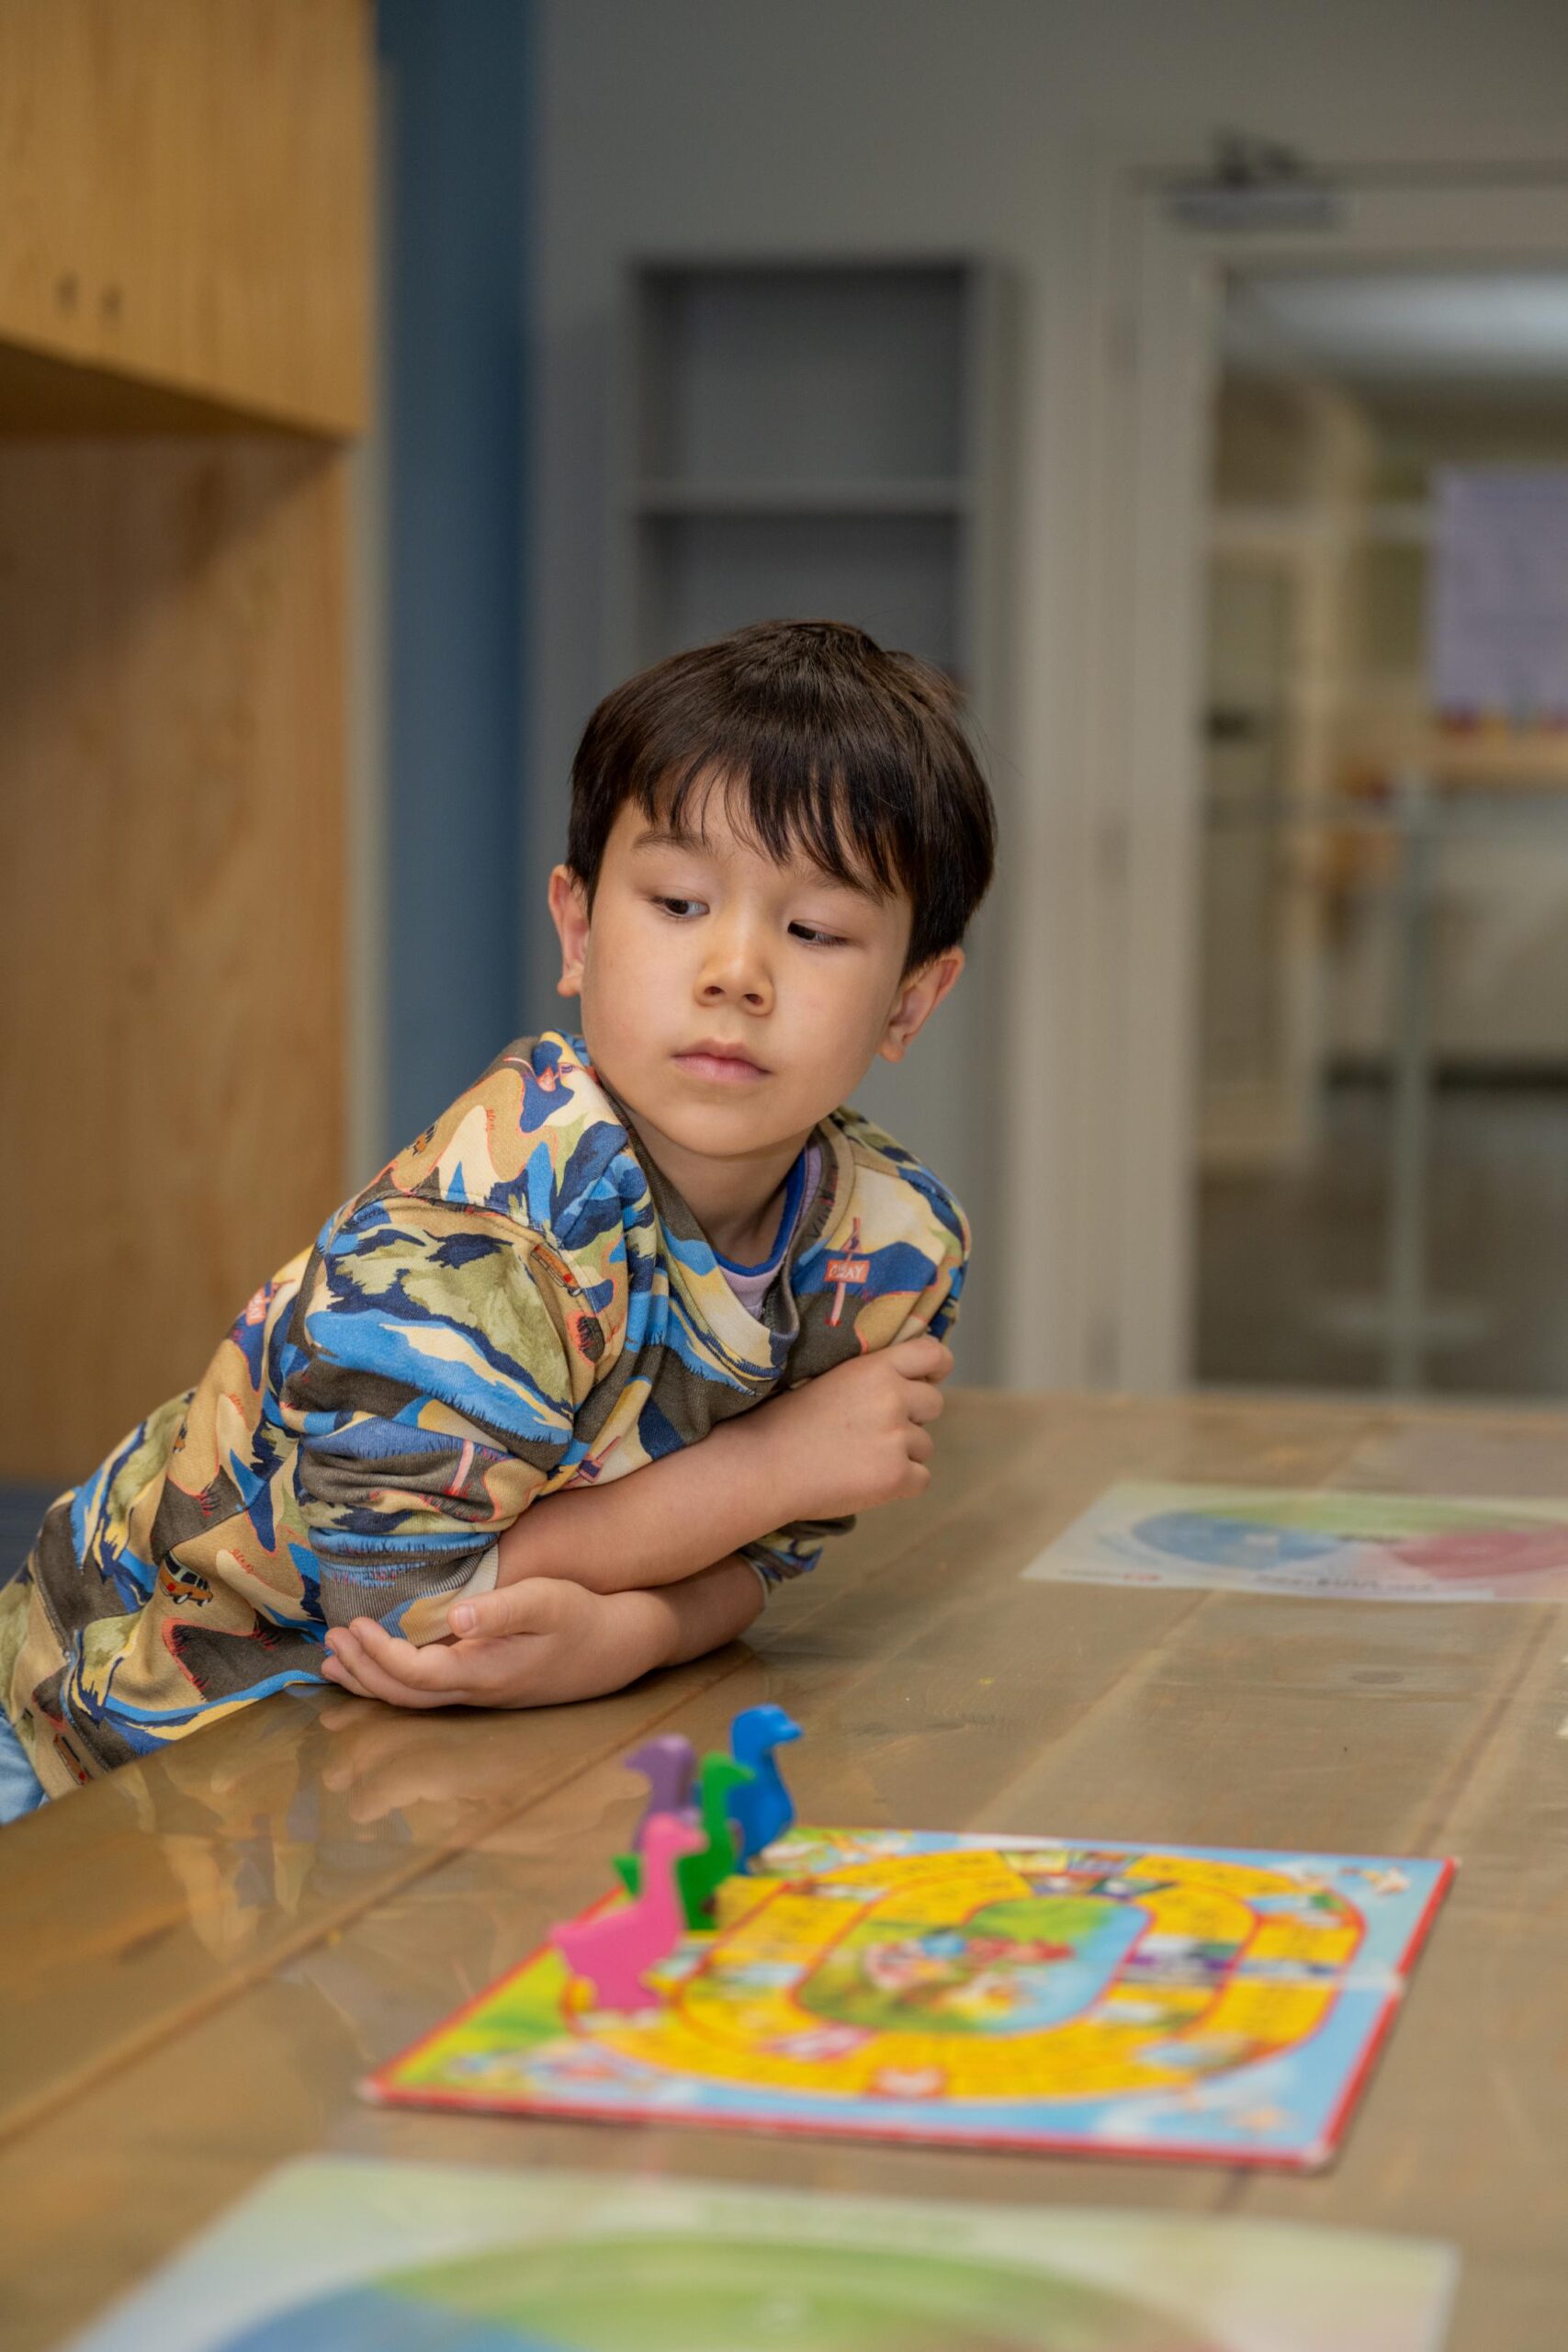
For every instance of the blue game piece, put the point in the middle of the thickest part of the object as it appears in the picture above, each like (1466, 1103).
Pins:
(762, 1809)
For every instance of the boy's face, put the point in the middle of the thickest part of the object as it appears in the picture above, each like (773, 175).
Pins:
(730, 1001)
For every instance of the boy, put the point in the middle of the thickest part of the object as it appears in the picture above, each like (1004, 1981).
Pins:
(663, 1246)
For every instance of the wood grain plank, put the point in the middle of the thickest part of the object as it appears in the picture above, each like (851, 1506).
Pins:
(184, 194)
(938, 1690)
(172, 728)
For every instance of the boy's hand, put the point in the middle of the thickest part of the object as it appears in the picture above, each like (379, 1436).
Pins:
(860, 1434)
(546, 1640)
(563, 1643)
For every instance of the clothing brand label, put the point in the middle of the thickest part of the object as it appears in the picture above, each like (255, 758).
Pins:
(848, 1273)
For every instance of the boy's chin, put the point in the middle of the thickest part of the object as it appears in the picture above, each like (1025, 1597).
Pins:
(724, 1131)
(731, 1138)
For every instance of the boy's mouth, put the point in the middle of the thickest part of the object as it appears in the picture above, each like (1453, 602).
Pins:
(726, 1065)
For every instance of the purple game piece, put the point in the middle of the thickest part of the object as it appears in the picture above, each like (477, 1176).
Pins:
(668, 1764)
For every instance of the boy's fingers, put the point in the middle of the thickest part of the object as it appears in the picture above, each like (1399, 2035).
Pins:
(366, 1683)
(392, 1668)
(921, 1445)
(434, 1668)
(343, 1656)
(345, 1650)
(918, 1357)
(922, 1358)
(343, 1678)
(925, 1401)
(521, 1608)
(373, 1681)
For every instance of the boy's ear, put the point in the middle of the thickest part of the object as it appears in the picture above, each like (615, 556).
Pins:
(569, 913)
(917, 999)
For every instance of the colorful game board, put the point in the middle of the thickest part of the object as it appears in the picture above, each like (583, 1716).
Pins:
(1311, 1542)
(1019, 1992)
(336, 2256)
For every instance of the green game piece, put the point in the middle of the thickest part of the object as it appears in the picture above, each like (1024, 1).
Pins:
(628, 1870)
(699, 1875)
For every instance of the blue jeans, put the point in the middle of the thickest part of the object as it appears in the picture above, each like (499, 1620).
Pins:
(21, 1790)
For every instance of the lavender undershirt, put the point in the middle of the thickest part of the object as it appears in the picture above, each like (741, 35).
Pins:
(750, 1283)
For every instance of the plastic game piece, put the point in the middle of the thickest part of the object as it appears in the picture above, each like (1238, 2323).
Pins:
(667, 1764)
(765, 1809)
(615, 1948)
(628, 1870)
(700, 1874)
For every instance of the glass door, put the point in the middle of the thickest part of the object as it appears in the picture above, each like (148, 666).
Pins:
(1380, 1136)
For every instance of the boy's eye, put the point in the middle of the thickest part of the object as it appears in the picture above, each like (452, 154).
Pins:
(813, 936)
(683, 908)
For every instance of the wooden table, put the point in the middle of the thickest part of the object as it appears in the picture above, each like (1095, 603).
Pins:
(201, 1957)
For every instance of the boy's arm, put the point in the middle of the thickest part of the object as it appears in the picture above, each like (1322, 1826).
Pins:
(850, 1439)
(795, 1546)
(855, 1437)
(563, 1643)
(660, 1524)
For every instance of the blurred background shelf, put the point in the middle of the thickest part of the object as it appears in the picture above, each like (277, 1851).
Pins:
(761, 496)
(798, 437)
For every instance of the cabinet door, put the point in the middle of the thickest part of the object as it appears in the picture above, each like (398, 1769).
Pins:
(184, 196)
(172, 743)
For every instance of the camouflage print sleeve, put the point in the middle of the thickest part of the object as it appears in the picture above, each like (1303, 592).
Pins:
(792, 1551)
(436, 1396)
(936, 1309)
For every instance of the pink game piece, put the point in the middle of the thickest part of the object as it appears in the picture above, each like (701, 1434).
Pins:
(614, 1949)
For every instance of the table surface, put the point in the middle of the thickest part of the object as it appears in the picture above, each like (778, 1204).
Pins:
(204, 1955)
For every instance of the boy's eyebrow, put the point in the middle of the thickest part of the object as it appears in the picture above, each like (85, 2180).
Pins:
(671, 837)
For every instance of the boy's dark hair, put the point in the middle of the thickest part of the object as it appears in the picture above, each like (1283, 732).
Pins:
(823, 744)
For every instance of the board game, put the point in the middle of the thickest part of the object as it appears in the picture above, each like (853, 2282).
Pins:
(1314, 1544)
(1034, 1993)
(336, 2255)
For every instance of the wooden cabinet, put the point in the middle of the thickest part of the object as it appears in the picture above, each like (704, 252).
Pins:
(184, 303)
(184, 198)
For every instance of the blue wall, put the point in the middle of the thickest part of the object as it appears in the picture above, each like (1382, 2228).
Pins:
(454, 370)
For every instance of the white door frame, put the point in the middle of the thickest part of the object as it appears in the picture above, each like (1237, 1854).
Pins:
(1156, 305)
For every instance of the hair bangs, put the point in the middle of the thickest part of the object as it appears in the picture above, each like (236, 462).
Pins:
(785, 802)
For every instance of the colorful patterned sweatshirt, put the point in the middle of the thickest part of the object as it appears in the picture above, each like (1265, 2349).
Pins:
(520, 1303)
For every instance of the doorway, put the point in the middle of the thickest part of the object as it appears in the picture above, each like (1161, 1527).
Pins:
(1336, 1117)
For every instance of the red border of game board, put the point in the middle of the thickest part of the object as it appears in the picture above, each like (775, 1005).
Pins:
(1329, 2145)
(381, 2093)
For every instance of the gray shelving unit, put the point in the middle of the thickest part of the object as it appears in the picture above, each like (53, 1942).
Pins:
(807, 438)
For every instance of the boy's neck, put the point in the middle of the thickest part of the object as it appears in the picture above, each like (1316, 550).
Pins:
(736, 1201)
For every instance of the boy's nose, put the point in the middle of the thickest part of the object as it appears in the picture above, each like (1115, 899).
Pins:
(733, 973)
